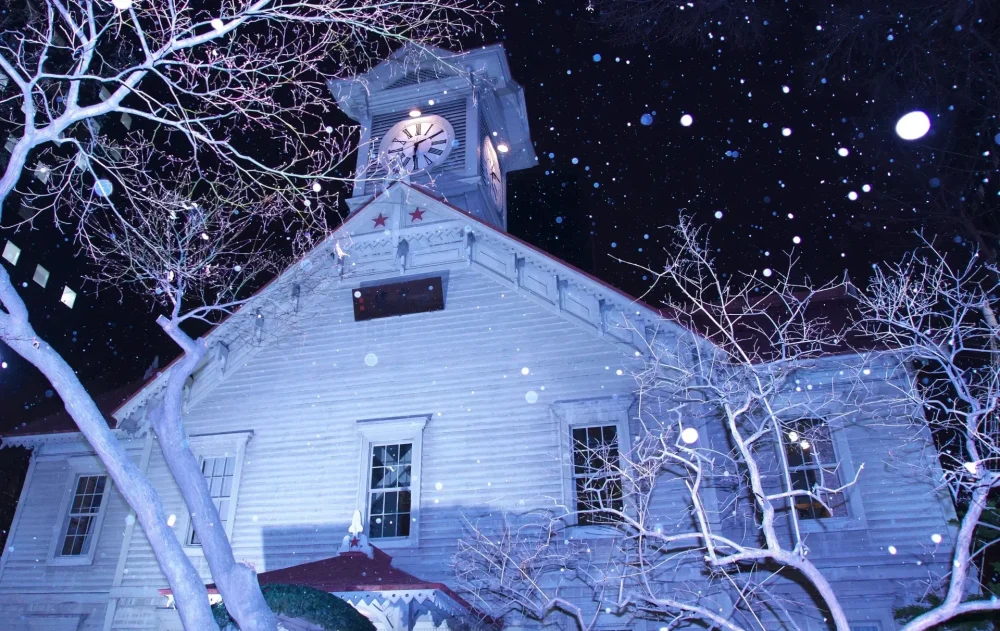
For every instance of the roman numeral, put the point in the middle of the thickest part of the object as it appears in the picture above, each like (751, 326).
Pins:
(439, 142)
(402, 142)
(408, 134)
(436, 152)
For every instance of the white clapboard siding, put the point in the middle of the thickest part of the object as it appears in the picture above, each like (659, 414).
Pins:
(27, 569)
(485, 445)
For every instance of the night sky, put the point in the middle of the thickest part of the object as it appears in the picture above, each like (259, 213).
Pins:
(615, 167)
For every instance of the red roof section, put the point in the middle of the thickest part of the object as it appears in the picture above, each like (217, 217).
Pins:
(61, 422)
(356, 572)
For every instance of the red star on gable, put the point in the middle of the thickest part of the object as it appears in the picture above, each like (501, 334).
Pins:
(379, 221)
(416, 214)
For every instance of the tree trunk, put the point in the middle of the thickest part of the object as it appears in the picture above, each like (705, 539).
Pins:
(188, 588)
(237, 582)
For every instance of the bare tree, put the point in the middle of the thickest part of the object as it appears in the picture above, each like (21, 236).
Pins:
(706, 509)
(235, 92)
(721, 414)
(940, 314)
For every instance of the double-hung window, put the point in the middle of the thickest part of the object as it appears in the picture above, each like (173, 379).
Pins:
(80, 531)
(597, 479)
(389, 501)
(595, 436)
(221, 458)
(389, 496)
(813, 466)
(76, 534)
(219, 472)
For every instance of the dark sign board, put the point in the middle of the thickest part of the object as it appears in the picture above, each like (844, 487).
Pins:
(393, 299)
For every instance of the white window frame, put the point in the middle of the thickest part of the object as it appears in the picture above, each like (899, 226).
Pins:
(855, 519)
(215, 446)
(406, 429)
(79, 467)
(570, 415)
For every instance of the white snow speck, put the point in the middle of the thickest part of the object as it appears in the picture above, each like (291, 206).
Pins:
(172, 520)
(853, 196)
(866, 188)
(525, 370)
(936, 538)
(786, 89)
(786, 131)
(796, 240)
(718, 214)
(217, 24)
(316, 187)
(371, 359)
(686, 120)
(689, 435)
(438, 486)
(892, 549)
(843, 152)
(767, 272)
(531, 396)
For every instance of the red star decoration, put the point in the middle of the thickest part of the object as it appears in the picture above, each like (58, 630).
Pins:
(417, 214)
(355, 542)
(380, 220)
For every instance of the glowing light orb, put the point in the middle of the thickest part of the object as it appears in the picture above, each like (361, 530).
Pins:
(687, 120)
(689, 435)
(913, 126)
(103, 188)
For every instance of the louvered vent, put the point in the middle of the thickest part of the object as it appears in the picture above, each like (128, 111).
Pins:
(452, 111)
(419, 76)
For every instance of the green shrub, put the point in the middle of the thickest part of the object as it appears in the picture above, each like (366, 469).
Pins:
(312, 605)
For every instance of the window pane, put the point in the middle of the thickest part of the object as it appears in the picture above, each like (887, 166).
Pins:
(596, 482)
(86, 503)
(389, 494)
(218, 472)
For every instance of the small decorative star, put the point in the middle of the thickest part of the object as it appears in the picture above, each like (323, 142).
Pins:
(417, 214)
(355, 542)
(380, 220)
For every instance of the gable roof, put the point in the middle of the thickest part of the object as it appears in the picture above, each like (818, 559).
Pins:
(438, 234)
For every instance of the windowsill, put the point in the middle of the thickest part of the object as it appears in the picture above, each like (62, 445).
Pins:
(394, 542)
(196, 551)
(593, 531)
(833, 524)
(71, 561)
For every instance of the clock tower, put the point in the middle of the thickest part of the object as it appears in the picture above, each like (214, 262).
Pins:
(454, 123)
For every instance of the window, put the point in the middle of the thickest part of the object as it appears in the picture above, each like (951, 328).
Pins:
(596, 478)
(389, 500)
(219, 473)
(392, 299)
(82, 518)
(221, 457)
(813, 466)
(389, 493)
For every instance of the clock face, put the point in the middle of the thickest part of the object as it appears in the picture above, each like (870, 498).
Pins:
(417, 144)
(492, 175)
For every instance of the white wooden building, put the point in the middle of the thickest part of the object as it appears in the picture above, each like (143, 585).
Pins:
(421, 335)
